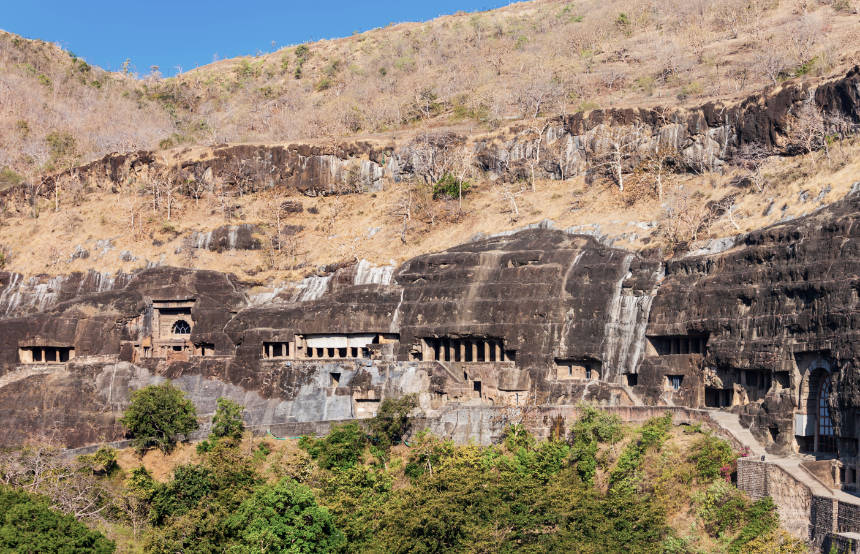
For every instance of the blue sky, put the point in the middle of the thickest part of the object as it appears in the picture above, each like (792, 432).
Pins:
(189, 33)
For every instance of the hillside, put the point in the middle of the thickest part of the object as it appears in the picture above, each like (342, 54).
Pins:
(605, 487)
(470, 71)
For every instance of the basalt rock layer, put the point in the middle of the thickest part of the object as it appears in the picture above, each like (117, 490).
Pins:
(767, 327)
(694, 139)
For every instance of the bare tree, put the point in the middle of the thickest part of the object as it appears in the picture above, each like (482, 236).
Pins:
(542, 90)
(534, 160)
(463, 164)
(42, 468)
(770, 63)
(809, 130)
(403, 210)
(658, 163)
(430, 155)
(751, 156)
(615, 146)
(510, 193)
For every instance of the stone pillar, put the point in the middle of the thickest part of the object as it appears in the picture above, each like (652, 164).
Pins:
(498, 352)
(449, 355)
(462, 345)
(486, 351)
(474, 346)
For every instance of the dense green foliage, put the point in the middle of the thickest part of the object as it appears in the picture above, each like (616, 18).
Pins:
(391, 423)
(101, 462)
(340, 449)
(157, 415)
(283, 518)
(713, 458)
(227, 421)
(607, 488)
(28, 524)
(449, 186)
(592, 429)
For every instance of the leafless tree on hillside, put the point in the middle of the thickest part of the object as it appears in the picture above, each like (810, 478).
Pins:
(509, 193)
(542, 91)
(403, 211)
(430, 155)
(534, 159)
(770, 63)
(614, 146)
(42, 468)
(751, 156)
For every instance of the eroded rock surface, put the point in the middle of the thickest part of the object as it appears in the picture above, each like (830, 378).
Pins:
(693, 139)
(766, 326)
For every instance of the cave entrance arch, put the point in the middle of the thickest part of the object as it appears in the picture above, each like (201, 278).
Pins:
(818, 406)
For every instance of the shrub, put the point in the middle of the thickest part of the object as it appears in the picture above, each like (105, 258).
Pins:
(761, 520)
(776, 541)
(624, 23)
(157, 415)
(283, 518)
(722, 508)
(711, 454)
(62, 147)
(449, 186)
(190, 484)
(391, 422)
(341, 448)
(302, 54)
(27, 524)
(102, 461)
(626, 474)
(227, 421)
(592, 428)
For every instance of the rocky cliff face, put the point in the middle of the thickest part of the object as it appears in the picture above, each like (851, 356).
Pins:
(538, 317)
(780, 303)
(704, 138)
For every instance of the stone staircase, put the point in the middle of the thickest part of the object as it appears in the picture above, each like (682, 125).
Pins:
(731, 424)
(791, 463)
(825, 516)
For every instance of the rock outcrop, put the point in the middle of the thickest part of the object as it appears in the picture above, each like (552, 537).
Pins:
(765, 326)
(697, 139)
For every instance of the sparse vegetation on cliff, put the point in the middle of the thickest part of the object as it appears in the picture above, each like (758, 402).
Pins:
(520, 62)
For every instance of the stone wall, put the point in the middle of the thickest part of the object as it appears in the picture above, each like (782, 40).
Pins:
(797, 507)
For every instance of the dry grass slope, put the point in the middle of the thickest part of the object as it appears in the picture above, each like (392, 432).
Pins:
(474, 71)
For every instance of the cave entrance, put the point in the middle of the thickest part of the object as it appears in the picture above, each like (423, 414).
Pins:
(718, 398)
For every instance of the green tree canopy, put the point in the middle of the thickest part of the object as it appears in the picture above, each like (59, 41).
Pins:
(158, 415)
(341, 448)
(227, 421)
(283, 518)
(27, 524)
(391, 422)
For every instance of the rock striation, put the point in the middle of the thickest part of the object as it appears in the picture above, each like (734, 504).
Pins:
(765, 326)
(692, 139)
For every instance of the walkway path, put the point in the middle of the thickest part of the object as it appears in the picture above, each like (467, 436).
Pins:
(791, 464)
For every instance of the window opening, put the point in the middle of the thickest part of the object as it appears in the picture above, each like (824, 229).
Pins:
(181, 327)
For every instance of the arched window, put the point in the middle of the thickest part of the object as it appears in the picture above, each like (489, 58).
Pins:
(826, 442)
(181, 327)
